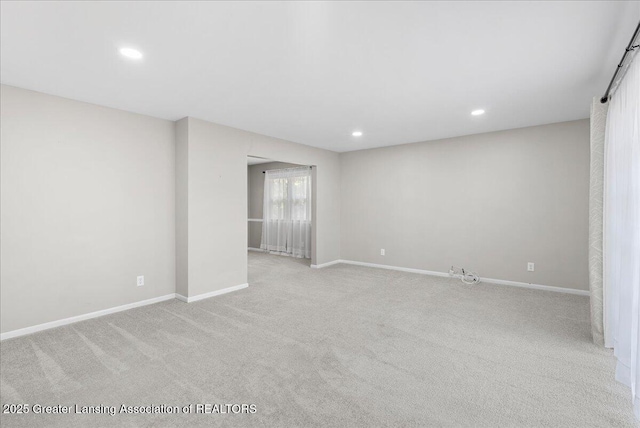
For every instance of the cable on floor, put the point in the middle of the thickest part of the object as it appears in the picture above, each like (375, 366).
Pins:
(466, 277)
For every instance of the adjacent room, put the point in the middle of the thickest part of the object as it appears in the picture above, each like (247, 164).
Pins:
(332, 214)
(280, 208)
(280, 214)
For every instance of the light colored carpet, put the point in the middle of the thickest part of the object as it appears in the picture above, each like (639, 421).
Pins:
(340, 346)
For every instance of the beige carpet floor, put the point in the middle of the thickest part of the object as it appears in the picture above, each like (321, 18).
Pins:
(340, 346)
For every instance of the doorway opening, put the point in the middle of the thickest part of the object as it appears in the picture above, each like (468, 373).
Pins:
(281, 209)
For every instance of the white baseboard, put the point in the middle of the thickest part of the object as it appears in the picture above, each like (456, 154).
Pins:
(482, 279)
(210, 294)
(402, 269)
(260, 250)
(323, 265)
(536, 286)
(71, 320)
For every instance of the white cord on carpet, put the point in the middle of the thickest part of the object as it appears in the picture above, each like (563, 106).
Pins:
(469, 278)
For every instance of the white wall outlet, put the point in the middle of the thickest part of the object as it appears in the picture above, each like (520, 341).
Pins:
(382, 251)
(531, 267)
(140, 281)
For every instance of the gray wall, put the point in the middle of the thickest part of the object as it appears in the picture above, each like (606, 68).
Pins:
(91, 197)
(216, 223)
(489, 202)
(255, 191)
(87, 198)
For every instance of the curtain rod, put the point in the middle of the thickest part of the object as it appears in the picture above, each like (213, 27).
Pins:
(293, 167)
(629, 48)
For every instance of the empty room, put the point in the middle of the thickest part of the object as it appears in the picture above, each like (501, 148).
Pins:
(320, 214)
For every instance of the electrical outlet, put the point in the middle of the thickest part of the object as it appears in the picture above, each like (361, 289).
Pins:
(531, 267)
(140, 281)
(382, 251)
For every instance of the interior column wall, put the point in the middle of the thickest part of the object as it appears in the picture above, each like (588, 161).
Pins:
(217, 201)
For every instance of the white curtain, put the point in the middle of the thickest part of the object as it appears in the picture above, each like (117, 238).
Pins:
(286, 226)
(622, 231)
(598, 124)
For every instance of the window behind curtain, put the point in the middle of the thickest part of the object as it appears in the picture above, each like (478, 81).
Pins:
(289, 198)
(286, 228)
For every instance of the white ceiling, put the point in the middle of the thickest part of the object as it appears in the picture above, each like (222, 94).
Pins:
(315, 72)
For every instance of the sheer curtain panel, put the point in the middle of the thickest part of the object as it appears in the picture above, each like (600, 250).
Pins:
(598, 124)
(286, 226)
(622, 230)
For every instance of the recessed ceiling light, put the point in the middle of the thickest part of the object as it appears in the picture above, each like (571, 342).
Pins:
(131, 53)
(357, 133)
(477, 112)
